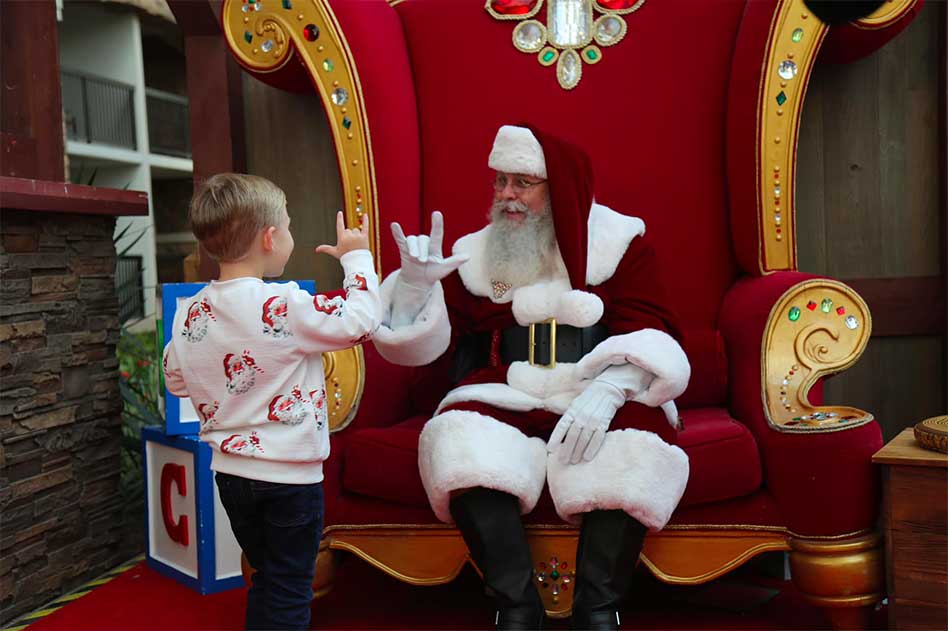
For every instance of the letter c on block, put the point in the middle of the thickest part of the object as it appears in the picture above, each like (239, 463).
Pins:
(174, 474)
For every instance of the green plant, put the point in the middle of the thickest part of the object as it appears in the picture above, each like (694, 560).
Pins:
(140, 386)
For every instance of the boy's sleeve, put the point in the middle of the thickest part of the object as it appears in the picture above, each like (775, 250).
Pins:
(322, 323)
(172, 368)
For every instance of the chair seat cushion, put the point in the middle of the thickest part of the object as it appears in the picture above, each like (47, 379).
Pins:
(382, 462)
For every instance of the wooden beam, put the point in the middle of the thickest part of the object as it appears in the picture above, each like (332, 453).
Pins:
(215, 98)
(913, 305)
(42, 196)
(31, 121)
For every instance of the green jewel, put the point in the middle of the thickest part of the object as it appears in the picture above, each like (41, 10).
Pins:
(346, 122)
(797, 34)
(826, 305)
(781, 98)
(548, 55)
(592, 54)
(248, 37)
(554, 575)
(328, 65)
(794, 314)
(287, 5)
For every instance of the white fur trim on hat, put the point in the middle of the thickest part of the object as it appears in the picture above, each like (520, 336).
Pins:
(462, 450)
(635, 471)
(421, 342)
(517, 150)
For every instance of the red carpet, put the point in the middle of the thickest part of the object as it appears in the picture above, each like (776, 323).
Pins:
(364, 598)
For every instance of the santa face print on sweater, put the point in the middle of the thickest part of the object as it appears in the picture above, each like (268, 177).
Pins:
(289, 409)
(199, 317)
(328, 306)
(242, 445)
(274, 317)
(240, 372)
(319, 407)
(206, 412)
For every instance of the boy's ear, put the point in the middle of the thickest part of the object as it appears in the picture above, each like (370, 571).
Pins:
(268, 238)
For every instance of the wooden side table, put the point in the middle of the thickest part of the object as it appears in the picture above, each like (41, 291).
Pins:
(915, 510)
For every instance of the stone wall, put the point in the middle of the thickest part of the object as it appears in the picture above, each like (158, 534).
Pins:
(62, 517)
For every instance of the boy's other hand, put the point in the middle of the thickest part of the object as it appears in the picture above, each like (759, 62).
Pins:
(347, 239)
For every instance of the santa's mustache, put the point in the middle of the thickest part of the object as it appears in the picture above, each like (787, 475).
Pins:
(510, 206)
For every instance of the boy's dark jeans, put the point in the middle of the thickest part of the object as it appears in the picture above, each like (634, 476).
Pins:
(278, 526)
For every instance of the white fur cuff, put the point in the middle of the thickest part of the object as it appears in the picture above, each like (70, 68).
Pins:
(421, 342)
(635, 471)
(462, 450)
(651, 349)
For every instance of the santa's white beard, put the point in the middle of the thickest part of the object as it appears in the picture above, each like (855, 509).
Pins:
(520, 252)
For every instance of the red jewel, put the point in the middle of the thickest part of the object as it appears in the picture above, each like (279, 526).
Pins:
(563, 566)
(513, 7)
(616, 5)
(840, 310)
(811, 305)
(776, 202)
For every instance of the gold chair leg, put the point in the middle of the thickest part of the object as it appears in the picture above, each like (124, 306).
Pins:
(845, 577)
(326, 563)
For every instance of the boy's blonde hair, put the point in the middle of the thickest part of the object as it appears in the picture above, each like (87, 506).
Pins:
(229, 209)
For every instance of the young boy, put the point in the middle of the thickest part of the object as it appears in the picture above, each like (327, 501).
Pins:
(247, 353)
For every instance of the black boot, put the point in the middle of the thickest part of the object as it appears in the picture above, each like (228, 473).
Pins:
(609, 545)
(490, 523)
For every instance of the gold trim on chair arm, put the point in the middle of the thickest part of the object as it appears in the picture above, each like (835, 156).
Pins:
(264, 35)
(817, 328)
(886, 15)
(795, 39)
(345, 381)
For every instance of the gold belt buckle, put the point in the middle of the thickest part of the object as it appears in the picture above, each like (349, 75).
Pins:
(531, 347)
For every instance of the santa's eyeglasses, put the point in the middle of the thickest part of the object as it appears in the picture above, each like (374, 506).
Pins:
(519, 184)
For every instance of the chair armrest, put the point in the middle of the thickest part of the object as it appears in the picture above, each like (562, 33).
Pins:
(818, 469)
(783, 332)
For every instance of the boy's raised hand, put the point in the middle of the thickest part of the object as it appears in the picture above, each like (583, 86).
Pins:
(347, 239)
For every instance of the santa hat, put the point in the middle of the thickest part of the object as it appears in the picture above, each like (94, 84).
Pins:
(267, 314)
(227, 369)
(526, 150)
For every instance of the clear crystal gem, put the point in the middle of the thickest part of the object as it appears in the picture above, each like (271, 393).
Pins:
(267, 46)
(787, 69)
(338, 395)
(776, 191)
(569, 69)
(529, 36)
(852, 322)
(570, 23)
(609, 30)
(340, 96)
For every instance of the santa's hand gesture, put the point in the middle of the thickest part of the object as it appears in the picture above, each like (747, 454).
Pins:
(423, 264)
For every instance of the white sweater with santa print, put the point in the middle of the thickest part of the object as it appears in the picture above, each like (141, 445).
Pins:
(248, 354)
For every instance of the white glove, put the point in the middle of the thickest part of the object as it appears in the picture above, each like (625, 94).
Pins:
(422, 262)
(581, 430)
(422, 265)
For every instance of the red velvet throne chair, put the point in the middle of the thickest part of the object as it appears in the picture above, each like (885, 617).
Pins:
(690, 113)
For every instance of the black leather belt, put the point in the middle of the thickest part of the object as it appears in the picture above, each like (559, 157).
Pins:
(546, 343)
(542, 344)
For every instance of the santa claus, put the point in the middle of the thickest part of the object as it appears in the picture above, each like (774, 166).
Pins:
(568, 365)
(199, 317)
(274, 317)
(240, 372)
(289, 409)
